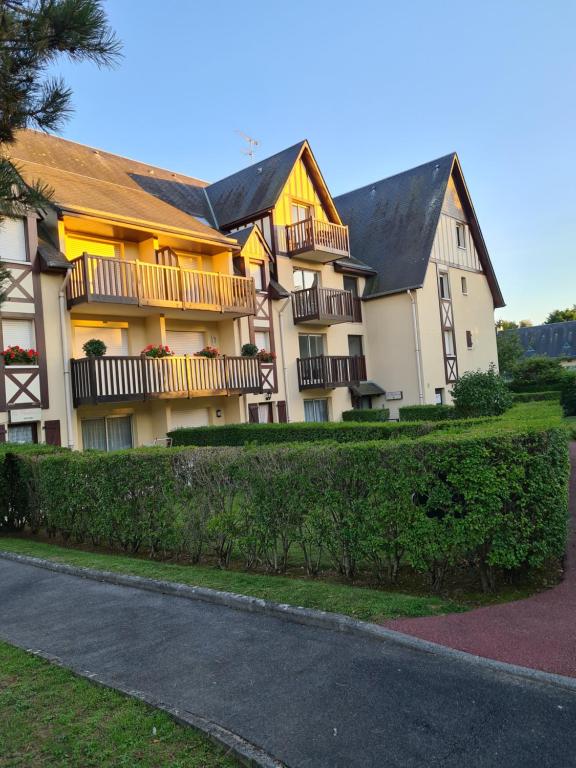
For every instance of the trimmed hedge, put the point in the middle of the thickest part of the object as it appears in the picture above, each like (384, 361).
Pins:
(538, 387)
(427, 412)
(568, 395)
(364, 414)
(493, 498)
(533, 397)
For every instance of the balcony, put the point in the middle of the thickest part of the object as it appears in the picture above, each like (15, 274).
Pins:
(142, 284)
(327, 372)
(322, 306)
(111, 379)
(316, 240)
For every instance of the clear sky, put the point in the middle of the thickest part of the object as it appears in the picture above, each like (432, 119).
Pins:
(376, 87)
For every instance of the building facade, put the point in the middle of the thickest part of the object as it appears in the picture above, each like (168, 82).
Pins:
(380, 297)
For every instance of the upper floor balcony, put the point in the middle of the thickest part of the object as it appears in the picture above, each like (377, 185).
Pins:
(329, 371)
(143, 284)
(323, 306)
(316, 240)
(114, 379)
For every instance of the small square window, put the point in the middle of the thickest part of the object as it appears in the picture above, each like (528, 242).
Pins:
(469, 340)
(464, 283)
(460, 235)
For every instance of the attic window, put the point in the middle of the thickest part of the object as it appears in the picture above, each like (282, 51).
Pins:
(461, 236)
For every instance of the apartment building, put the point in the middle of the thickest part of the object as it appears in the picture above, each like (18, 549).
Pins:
(380, 297)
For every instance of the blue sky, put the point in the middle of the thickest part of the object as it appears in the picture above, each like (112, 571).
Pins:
(376, 87)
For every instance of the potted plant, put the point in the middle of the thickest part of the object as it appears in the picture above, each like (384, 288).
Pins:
(157, 350)
(265, 356)
(94, 348)
(208, 352)
(249, 350)
(15, 355)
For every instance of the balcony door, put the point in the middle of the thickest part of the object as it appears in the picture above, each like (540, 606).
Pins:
(311, 345)
(305, 278)
(316, 410)
(185, 342)
(301, 236)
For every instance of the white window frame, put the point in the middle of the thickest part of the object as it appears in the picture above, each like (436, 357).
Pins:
(444, 281)
(105, 419)
(318, 400)
(21, 240)
(461, 235)
(266, 334)
(464, 284)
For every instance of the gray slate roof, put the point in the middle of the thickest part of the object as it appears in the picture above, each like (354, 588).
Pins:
(553, 340)
(252, 189)
(393, 222)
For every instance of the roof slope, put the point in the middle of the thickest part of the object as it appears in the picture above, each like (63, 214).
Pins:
(252, 189)
(393, 223)
(90, 180)
(551, 340)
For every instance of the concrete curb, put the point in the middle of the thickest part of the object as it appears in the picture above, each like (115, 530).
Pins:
(307, 616)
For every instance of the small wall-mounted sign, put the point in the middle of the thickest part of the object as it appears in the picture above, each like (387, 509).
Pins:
(394, 395)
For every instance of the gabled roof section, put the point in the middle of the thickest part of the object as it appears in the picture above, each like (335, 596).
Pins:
(256, 189)
(550, 340)
(94, 182)
(393, 223)
(243, 235)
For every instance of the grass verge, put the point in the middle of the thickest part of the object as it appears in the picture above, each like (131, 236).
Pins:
(49, 717)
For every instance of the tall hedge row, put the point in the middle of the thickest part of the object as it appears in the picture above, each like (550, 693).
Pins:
(427, 412)
(495, 501)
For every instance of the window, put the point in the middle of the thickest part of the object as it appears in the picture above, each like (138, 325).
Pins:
(461, 235)
(18, 333)
(305, 278)
(464, 284)
(13, 240)
(363, 402)
(469, 340)
(300, 212)
(116, 339)
(311, 345)
(351, 284)
(355, 346)
(449, 343)
(257, 273)
(76, 246)
(315, 410)
(112, 433)
(439, 396)
(265, 413)
(444, 285)
(185, 342)
(22, 433)
(262, 340)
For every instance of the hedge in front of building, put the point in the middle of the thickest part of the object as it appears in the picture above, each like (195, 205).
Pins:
(427, 412)
(533, 397)
(366, 414)
(494, 498)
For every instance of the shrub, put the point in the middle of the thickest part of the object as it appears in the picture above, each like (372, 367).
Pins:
(94, 348)
(427, 412)
(494, 498)
(365, 414)
(481, 393)
(157, 350)
(568, 394)
(249, 350)
(533, 397)
(537, 371)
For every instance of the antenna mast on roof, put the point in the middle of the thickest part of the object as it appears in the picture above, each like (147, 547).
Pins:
(250, 150)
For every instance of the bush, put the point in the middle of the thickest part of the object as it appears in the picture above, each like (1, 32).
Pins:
(481, 393)
(366, 414)
(537, 372)
(249, 350)
(427, 412)
(94, 348)
(533, 397)
(568, 394)
(494, 498)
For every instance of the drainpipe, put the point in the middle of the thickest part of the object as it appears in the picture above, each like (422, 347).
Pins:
(66, 355)
(286, 304)
(416, 328)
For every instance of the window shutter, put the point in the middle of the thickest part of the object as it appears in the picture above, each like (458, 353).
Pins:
(253, 413)
(52, 432)
(2, 433)
(18, 333)
(282, 415)
(75, 247)
(185, 342)
(13, 240)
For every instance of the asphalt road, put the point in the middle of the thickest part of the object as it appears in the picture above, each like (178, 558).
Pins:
(311, 697)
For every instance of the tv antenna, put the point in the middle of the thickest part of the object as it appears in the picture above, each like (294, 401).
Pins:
(250, 149)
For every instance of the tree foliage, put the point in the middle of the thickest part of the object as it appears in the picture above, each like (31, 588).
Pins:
(34, 34)
(561, 315)
(510, 352)
(540, 371)
(4, 277)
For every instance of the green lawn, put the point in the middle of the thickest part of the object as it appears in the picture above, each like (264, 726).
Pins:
(360, 602)
(50, 718)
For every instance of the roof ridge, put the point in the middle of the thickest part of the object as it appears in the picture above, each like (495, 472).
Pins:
(258, 162)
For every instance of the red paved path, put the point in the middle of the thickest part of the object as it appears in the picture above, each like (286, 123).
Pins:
(539, 632)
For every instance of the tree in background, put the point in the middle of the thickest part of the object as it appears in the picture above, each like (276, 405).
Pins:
(4, 277)
(506, 325)
(538, 371)
(510, 352)
(561, 315)
(33, 35)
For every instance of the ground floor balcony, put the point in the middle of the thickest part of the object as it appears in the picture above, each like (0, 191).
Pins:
(143, 284)
(316, 240)
(112, 379)
(329, 371)
(322, 306)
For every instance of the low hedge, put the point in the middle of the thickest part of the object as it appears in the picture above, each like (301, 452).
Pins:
(495, 498)
(427, 412)
(538, 387)
(365, 414)
(533, 397)
(568, 395)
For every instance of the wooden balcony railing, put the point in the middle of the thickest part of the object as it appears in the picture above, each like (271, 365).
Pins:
(356, 309)
(326, 372)
(117, 379)
(103, 279)
(324, 306)
(317, 240)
